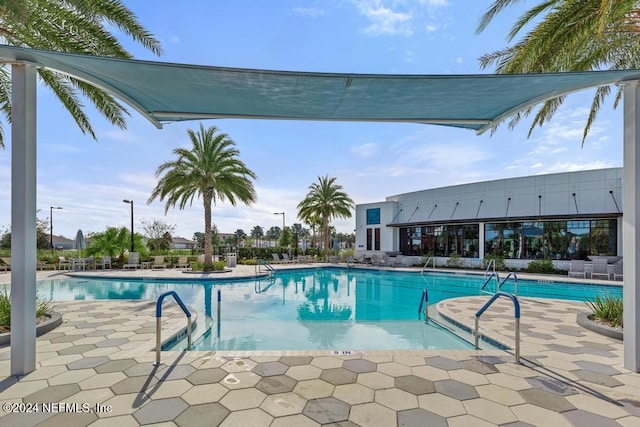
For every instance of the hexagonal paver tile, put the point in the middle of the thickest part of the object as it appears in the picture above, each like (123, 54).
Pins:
(295, 360)
(297, 420)
(276, 384)
(375, 380)
(70, 419)
(206, 376)
(247, 398)
(167, 389)
(207, 414)
(547, 400)
(102, 380)
(249, 417)
(443, 363)
(360, 366)
(239, 365)
(112, 342)
(372, 414)
(456, 389)
(501, 395)
(396, 399)
(141, 369)
(280, 405)
(420, 418)
(442, 405)
(159, 411)
(313, 389)
(415, 385)
(116, 366)
(489, 411)
(204, 393)
(134, 385)
(551, 385)
(88, 362)
(76, 349)
(478, 367)
(394, 369)
(175, 372)
(53, 393)
(353, 394)
(327, 362)
(240, 380)
(304, 372)
(597, 367)
(270, 369)
(326, 410)
(597, 378)
(338, 376)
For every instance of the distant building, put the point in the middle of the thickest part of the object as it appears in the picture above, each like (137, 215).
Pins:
(182, 243)
(60, 242)
(560, 216)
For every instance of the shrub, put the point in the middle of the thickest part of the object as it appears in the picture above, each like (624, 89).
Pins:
(498, 259)
(541, 266)
(43, 307)
(607, 309)
(454, 261)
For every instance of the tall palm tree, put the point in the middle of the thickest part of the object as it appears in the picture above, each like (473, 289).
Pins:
(210, 170)
(325, 200)
(568, 36)
(77, 26)
(257, 233)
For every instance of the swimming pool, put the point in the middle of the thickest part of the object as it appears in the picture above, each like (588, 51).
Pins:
(322, 308)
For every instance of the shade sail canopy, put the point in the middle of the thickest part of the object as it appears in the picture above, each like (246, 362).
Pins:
(166, 92)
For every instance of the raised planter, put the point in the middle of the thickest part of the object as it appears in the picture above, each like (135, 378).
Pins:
(584, 321)
(55, 320)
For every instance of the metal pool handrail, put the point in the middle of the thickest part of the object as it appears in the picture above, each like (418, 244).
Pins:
(424, 299)
(515, 282)
(426, 264)
(159, 322)
(516, 306)
(492, 262)
(267, 266)
(488, 279)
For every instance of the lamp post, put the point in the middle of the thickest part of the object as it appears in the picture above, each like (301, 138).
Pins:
(51, 208)
(131, 203)
(280, 213)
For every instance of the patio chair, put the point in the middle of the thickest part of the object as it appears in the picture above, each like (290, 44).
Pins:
(617, 270)
(104, 262)
(63, 263)
(576, 268)
(600, 268)
(133, 261)
(276, 258)
(286, 259)
(158, 262)
(6, 264)
(183, 262)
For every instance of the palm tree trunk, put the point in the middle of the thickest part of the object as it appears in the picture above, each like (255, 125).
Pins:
(207, 229)
(325, 229)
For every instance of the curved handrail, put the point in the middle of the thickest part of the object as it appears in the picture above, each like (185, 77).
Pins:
(159, 322)
(516, 306)
(488, 279)
(515, 282)
(424, 299)
(426, 264)
(266, 265)
(492, 262)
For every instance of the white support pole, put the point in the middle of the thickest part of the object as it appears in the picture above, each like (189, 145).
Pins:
(23, 219)
(631, 226)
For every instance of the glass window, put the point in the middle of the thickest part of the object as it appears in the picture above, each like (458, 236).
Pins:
(373, 216)
(377, 238)
(369, 239)
(442, 240)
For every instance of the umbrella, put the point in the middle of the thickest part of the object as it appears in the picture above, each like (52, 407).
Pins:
(80, 241)
(303, 245)
(335, 244)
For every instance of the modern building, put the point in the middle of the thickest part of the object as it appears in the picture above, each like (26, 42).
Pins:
(560, 216)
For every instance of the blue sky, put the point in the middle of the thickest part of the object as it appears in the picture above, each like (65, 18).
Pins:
(370, 160)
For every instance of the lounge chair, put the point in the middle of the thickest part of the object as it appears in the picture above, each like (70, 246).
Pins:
(576, 268)
(276, 258)
(6, 264)
(63, 263)
(104, 262)
(617, 270)
(287, 260)
(183, 262)
(133, 261)
(158, 262)
(600, 268)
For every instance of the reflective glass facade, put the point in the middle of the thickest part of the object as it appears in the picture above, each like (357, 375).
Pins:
(560, 240)
(552, 239)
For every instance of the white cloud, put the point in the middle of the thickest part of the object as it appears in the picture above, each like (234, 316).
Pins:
(431, 28)
(385, 21)
(174, 39)
(312, 12)
(365, 150)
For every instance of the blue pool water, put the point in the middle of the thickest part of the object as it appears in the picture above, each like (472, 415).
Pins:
(325, 308)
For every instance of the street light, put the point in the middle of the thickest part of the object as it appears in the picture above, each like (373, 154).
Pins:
(51, 208)
(131, 203)
(280, 213)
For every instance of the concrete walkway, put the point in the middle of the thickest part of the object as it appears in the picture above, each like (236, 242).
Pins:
(98, 370)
